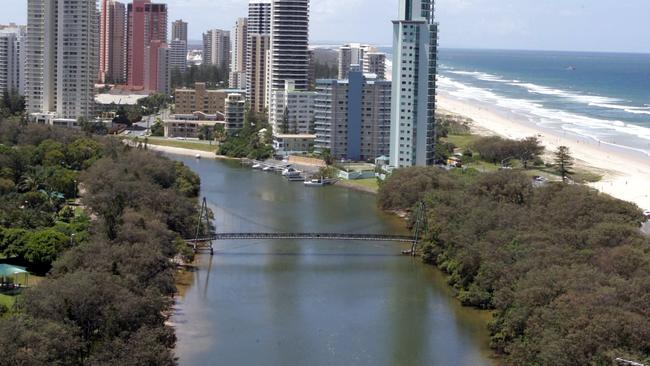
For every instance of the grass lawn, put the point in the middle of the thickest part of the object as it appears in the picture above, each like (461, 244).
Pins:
(370, 183)
(183, 144)
(462, 141)
(7, 300)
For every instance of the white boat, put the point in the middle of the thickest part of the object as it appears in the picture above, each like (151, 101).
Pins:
(257, 166)
(314, 183)
(198, 156)
(289, 171)
(267, 169)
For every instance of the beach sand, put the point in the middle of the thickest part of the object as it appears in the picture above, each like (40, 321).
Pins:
(626, 175)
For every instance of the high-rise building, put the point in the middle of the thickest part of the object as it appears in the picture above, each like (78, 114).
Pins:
(156, 72)
(258, 39)
(371, 61)
(259, 16)
(62, 55)
(415, 45)
(179, 30)
(235, 110)
(256, 76)
(239, 46)
(216, 48)
(291, 111)
(112, 42)
(289, 43)
(375, 63)
(146, 23)
(178, 46)
(353, 116)
(178, 55)
(12, 58)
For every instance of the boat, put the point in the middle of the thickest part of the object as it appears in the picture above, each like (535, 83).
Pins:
(289, 171)
(571, 68)
(267, 169)
(314, 183)
(198, 156)
(407, 252)
(257, 166)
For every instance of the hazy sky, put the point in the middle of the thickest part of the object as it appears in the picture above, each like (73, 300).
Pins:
(596, 25)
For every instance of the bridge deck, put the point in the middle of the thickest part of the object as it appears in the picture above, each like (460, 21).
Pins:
(308, 236)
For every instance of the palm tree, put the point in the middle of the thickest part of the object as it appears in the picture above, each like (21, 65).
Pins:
(30, 182)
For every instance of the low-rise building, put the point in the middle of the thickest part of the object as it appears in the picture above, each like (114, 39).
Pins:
(189, 129)
(188, 101)
(292, 144)
(353, 116)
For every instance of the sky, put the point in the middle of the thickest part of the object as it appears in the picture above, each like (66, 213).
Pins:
(569, 25)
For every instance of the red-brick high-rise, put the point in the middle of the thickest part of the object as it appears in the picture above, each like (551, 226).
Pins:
(146, 23)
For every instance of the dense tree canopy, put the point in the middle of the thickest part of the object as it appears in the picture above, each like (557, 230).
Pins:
(111, 277)
(565, 268)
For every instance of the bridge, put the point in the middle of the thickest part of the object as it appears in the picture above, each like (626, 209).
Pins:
(204, 242)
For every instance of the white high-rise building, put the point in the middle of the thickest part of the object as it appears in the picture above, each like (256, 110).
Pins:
(367, 56)
(216, 48)
(258, 44)
(239, 52)
(62, 57)
(12, 58)
(291, 111)
(289, 43)
(413, 124)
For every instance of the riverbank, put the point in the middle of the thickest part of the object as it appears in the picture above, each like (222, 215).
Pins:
(625, 174)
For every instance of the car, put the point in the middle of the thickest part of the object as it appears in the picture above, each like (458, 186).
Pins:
(647, 214)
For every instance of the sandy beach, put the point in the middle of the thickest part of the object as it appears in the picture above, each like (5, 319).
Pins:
(626, 175)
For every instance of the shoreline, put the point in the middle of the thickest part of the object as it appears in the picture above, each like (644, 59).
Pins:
(625, 174)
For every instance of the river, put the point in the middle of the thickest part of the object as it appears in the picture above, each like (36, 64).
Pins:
(314, 302)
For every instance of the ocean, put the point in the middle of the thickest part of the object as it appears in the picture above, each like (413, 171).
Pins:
(601, 96)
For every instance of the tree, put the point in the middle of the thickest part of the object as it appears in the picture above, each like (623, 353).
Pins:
(158, 129)
(528, 150)
(326, 155)
(43, 247)
(564, 163)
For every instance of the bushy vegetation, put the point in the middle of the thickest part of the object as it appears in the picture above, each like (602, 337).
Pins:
(110, 284)
(565, 269)
(247, 142)
(498, 150)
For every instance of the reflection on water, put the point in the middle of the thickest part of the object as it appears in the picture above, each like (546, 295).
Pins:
(314, 302)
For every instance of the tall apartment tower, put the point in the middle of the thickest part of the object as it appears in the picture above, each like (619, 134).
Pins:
(178, 46)
(62, 57)
(216, 48)
(352, 116)
(146, 23)
(179, 30)
(178, 55)
(289, 43)
(413, 124)
(156, 72)
(259, 42)
(375, 63)
(112, 42)
(12, 58)
(371, 61)
(239, 49)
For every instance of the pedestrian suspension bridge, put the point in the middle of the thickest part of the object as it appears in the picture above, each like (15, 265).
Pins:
(202, 242)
